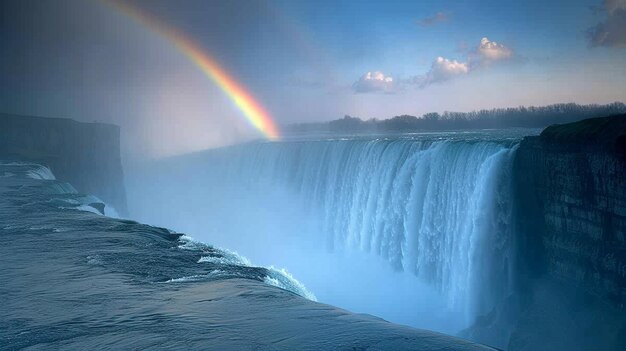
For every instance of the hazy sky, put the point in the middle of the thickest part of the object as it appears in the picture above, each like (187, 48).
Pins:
(304, 61)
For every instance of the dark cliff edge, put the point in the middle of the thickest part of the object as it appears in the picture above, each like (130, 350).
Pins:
(570, 190)
(87, 155)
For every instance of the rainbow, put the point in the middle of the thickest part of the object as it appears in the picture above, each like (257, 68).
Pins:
(245, 102)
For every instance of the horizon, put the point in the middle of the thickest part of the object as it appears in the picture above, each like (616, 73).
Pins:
(420, 116)
(184, 76)
(368, 119)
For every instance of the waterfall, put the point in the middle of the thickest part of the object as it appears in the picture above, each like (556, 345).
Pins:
(440, 210)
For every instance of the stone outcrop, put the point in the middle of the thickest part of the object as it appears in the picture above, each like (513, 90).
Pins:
(87, 155)
(570, 184)
(570, 213)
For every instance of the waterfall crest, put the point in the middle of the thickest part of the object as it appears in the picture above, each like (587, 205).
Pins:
(439, 209)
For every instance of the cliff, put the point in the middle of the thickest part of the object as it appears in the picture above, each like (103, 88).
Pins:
(87, 155)
(576, 211)
(571, 198)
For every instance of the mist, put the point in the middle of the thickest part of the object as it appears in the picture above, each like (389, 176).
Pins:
(296, 205)
(273, 227)
(86, 61)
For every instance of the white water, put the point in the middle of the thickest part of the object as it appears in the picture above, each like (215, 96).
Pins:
(35, 171)
(418, 232)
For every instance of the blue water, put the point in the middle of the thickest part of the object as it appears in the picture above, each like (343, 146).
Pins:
(415, 228)
(75, 279)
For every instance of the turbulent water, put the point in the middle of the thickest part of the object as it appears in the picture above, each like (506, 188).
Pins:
(437, 206)
(50, 198)
(74, 279)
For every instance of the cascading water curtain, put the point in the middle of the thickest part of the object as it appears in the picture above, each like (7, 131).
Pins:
(438, 209)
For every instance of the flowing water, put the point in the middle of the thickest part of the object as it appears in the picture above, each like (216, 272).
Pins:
(75, 279)
(399, 226)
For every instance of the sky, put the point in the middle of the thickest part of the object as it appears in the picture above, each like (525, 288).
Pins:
(302, 61)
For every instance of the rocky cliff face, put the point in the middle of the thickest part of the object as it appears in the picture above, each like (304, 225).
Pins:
(87, 155)
(573, 205)
(571, 197)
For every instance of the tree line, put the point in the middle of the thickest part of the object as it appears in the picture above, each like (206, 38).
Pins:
(498, 118)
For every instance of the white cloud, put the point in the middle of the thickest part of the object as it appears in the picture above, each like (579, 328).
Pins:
(375, 82)
(444, 69)
(441, 70)
(493, 51)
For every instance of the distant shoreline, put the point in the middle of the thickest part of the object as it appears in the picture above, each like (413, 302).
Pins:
(518, 117)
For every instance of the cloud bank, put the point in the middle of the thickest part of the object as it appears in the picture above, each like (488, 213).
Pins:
(612, 31)
(442, 69)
